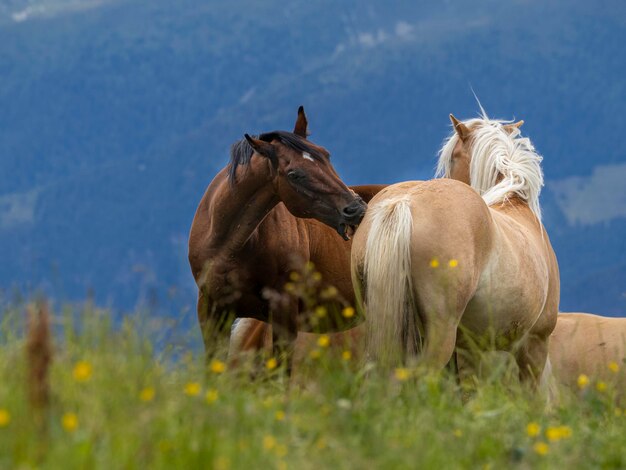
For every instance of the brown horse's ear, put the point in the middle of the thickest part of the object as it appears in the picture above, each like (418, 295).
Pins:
(261, 147)
(301, 127)
(460, 128)
(511, 127)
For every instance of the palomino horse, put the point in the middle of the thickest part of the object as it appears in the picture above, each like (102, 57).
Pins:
(595, 346)
(247, 234)
(440, 265)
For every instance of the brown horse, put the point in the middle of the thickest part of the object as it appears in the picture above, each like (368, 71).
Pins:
(441, 266)
(595, 346)
(277, 205)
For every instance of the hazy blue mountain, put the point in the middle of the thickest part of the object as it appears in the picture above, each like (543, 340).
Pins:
(115, 115)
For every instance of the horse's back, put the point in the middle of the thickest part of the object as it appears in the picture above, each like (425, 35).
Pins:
(446, 214)
(583, 343)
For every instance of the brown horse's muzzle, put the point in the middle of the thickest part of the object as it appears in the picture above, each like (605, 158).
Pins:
(351, 217)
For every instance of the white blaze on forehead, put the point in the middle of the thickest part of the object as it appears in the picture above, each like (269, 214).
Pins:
(307, 156)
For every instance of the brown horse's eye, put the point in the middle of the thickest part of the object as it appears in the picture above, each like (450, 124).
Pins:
(296, 176)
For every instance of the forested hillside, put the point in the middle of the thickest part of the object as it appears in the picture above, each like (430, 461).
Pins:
(115, 115)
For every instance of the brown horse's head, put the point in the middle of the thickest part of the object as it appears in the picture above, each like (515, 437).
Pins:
(305, 180)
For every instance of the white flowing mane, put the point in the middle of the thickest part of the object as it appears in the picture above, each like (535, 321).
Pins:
(498, 151)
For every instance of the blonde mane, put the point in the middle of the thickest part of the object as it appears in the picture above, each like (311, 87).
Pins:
(502, 162)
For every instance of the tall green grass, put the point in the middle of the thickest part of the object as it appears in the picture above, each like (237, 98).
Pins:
(117, 402)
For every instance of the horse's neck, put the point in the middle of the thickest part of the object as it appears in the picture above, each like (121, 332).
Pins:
(513, 204)
(516, 208)
(236, 210)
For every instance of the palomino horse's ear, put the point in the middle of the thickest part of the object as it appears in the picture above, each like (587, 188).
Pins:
(511, 127)
(301, 127)
(460, 128)
(261, 147)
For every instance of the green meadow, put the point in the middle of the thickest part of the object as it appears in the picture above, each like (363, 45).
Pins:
(113, 399)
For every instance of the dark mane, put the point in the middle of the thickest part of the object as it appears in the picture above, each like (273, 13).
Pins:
(241, 151)
(240, 154)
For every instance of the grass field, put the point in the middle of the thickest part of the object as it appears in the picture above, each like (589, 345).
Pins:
(117, 402)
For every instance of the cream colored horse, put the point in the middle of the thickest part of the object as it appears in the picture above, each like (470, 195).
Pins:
(442, 264)
(595, 346)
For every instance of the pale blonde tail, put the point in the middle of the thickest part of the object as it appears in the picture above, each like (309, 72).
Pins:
(548, 385)
(388, 291)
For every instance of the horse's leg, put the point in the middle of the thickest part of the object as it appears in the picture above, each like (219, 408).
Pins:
(212, 323)
(441, 306)
(531, 356)
(532, 352)
(203, 320)
(466, 363)
(247, 334)
(284, 334)
(440, 341)
(283, 346)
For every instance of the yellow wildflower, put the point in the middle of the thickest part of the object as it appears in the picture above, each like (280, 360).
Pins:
(582, 381)
(457, 433)
(329, 292)
(271, 363)
(82, 371)
(618, 412)
(147, 394)
(533, 429)
(290, 287)
(453, 263)
(217, 366)
(401, 374)
(347, 312)
(192, 389)
(556, 433)
(346, 355)
(294, 276)
(434, 263)
(321, 443)
(613, 367)
(317, 276)
(553, 434)
(5, 418)
(320, 311)
(280, 415)
(323, 341)
(269, 442)
(541, 448)
(69, 421)
(601, 386)
(211, 395)
(566, 432)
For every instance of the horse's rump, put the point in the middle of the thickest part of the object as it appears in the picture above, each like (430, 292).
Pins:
(415, 259)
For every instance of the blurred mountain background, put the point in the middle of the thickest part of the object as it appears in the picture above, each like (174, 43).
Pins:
(116, 114)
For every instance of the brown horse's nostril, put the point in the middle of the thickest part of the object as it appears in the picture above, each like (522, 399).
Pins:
(354, 209)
